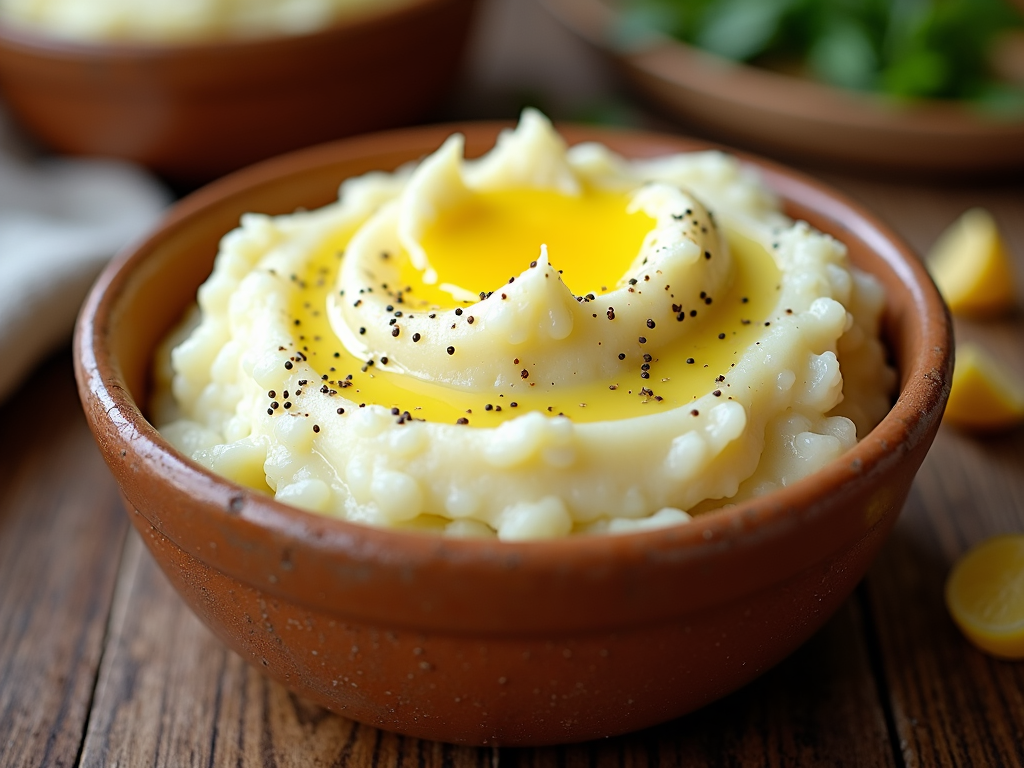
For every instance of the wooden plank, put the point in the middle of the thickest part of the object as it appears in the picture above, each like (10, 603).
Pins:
(819, 707)
(951, 704)
(170, 694)
(920, 211)
(61, 534)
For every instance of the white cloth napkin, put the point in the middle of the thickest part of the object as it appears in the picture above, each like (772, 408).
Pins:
(60, 221)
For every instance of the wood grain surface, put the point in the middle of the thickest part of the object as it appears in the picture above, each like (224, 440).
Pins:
(61, 535)
(101, 664)
(950, 703)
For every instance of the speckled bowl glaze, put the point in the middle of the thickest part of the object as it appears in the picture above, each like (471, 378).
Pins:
(478, 641)
(194, 111)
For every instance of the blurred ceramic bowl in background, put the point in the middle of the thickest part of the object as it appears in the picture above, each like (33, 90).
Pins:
(195, 110)
(796, 118)
(156, 21)
(480, 641)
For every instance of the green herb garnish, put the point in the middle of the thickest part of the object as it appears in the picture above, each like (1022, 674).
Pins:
(937, 49)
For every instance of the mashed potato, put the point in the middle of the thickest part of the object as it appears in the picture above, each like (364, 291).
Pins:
(539, 342)
(178, 20)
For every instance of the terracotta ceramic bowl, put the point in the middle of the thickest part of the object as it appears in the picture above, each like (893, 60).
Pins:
(195, 111)
(797, 118)
(479, 641)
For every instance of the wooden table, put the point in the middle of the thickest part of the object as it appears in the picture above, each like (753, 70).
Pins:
(101, 664)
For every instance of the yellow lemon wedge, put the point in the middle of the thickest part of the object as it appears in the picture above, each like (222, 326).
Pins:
(985, 596)
(971, 266)
(984, 395)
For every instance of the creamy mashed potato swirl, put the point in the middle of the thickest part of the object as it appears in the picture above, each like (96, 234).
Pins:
(535, 316)
(342, 361)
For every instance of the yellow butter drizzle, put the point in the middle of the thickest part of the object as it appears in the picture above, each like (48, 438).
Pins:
(592, 240)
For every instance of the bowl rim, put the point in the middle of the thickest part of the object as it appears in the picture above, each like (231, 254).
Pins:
(31, 39)
(115, 416)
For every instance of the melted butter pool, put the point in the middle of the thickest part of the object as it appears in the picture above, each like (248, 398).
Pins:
(592, 240)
